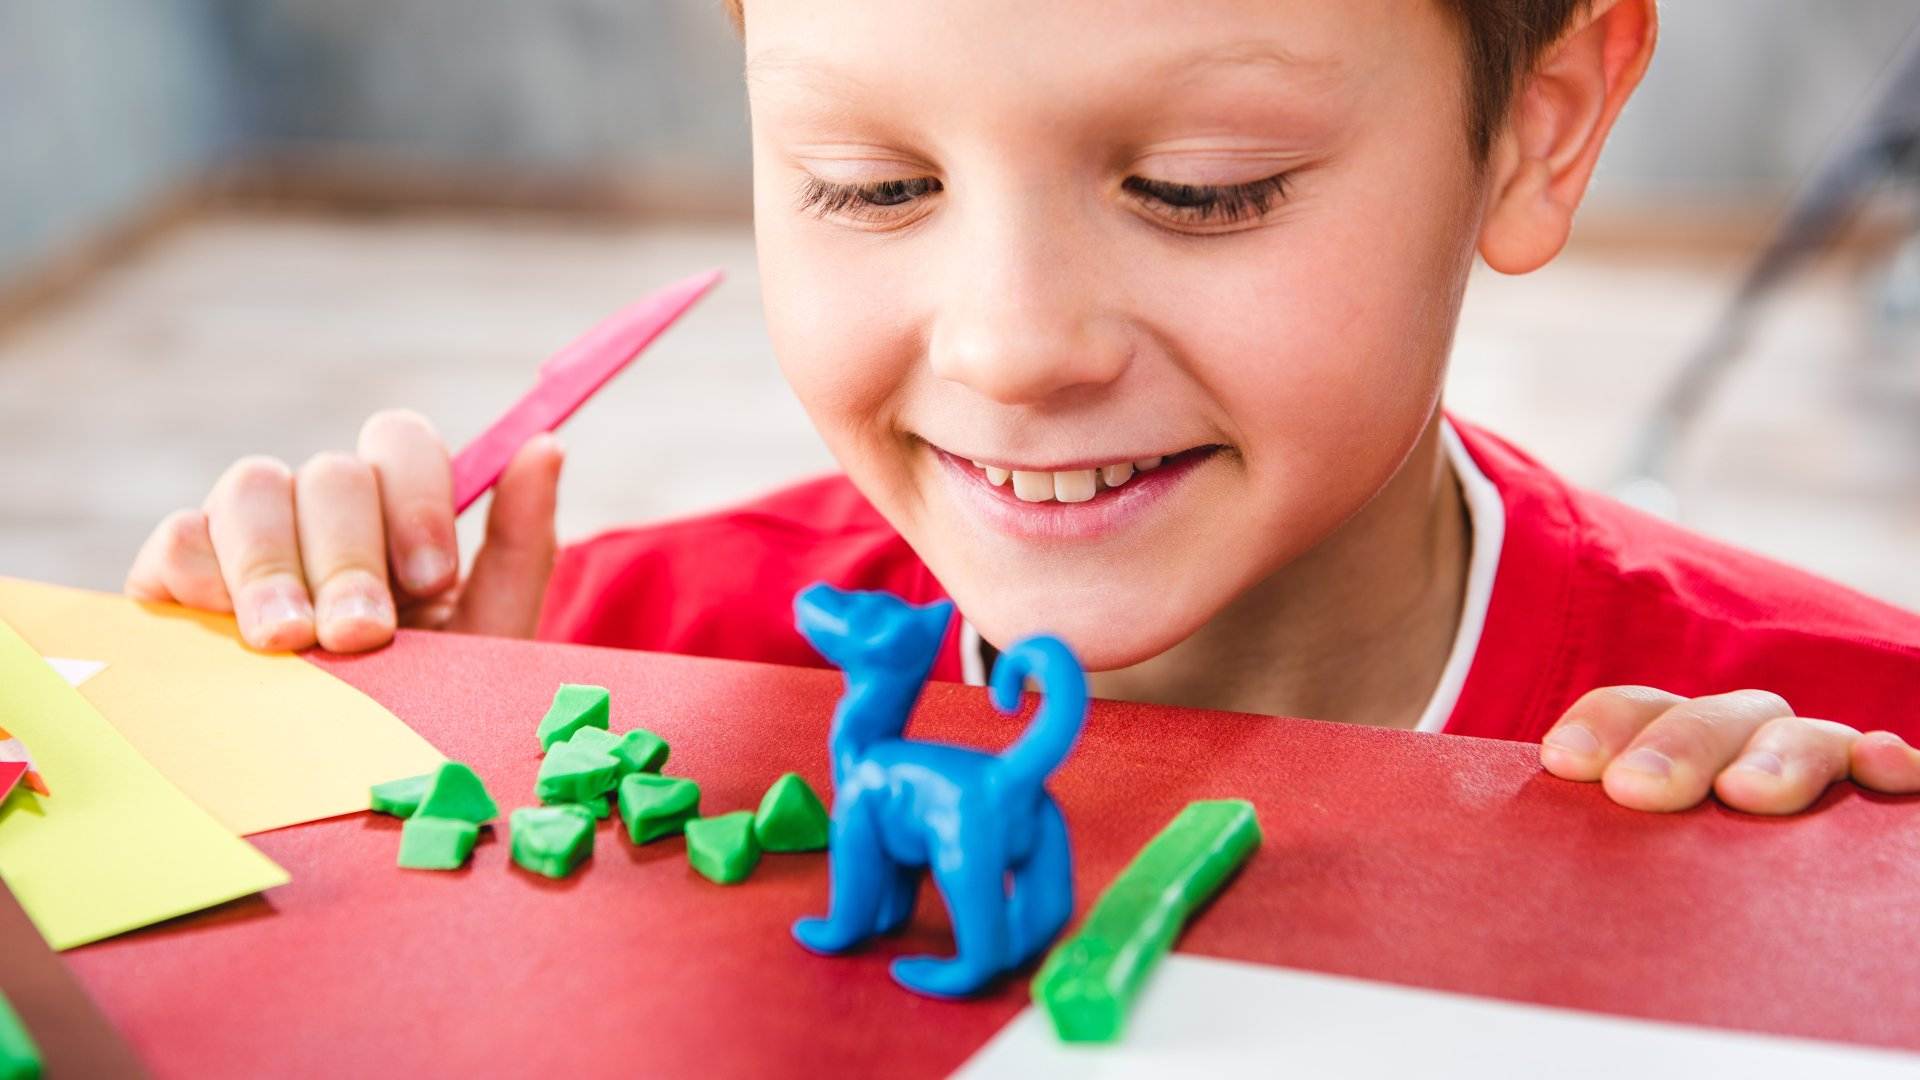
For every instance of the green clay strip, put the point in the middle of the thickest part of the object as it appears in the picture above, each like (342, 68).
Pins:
(653, 806)
(19, 1057)
(1090, 980)
(575, 774)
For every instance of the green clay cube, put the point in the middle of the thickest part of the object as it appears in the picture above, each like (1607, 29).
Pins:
(654, 806)
(456, 793)
(638, 750)
(400, 797)
(19, 1056)
(791, 817)
(433, 843)
(552, 840)
(723, 848)
(574, 707)
(574, 774)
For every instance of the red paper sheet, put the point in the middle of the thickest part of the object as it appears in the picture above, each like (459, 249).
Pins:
(1429, 860)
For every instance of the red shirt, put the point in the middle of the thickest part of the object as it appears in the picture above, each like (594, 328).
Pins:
(1588, 593)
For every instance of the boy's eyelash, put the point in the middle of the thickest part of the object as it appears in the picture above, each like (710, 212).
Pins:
(825, 198)
(1194, 203)
(1212, 202)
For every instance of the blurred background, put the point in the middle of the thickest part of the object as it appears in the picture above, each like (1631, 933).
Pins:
(236, 226)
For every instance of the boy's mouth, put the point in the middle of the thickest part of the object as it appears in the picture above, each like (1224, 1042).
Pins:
(1075, 485)
(1083, 502)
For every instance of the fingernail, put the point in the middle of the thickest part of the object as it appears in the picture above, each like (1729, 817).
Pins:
(278, 605)
(1764, 761)
(1648, 761)
(425, 568)
(1574, 739)
(355, 605)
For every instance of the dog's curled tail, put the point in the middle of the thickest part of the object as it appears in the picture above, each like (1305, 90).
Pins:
(1063, 706)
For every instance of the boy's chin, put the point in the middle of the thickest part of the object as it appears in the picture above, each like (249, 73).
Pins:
(1107, 626)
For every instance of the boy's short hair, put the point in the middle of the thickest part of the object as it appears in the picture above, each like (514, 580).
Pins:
(1502, 37)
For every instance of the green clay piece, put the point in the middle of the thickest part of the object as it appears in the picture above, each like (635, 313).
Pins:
(723, 848)
(638, 750)
(19, 1056)
(654, 806)
(456, 793)
(574, 774)
(400, 797)
(574, 707)
(434, 843)
(1090, 980)
(791, 817)
(552, 840)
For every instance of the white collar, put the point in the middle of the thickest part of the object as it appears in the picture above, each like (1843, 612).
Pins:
(1487, 525)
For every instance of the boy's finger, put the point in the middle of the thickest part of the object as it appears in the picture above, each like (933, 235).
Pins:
(1599, 726)
(1673, 763)
(177, 565)
(250, 521)
(1786, 765)
(1883, 761)
(502, 595)
(416, 499)
(336, 505)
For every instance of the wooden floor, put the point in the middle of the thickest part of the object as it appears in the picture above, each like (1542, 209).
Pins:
(277, 334)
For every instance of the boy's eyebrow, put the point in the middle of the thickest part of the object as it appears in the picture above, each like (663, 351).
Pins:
(1255, 54)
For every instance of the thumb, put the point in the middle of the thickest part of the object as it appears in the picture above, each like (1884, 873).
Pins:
(502, 595)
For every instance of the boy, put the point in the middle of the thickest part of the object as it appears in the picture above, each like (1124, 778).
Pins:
(1128, 322)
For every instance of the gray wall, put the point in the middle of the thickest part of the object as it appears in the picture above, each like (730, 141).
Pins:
(102, 104)
(106, 102)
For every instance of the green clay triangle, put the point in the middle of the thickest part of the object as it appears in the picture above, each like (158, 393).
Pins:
(432, 843)
(574, 707)
(791, 817)
(575, 774)
(552, 840)
(723, 848)
(638, 750)
(399, 797)
(653, 806)
(456, 793)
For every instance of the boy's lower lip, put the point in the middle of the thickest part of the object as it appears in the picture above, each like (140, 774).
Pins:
(1106, 513)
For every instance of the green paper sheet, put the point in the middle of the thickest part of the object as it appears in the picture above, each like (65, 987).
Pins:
(116, 846)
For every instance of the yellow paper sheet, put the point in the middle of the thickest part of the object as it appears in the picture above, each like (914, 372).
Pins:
(261, 741)
(116, 846)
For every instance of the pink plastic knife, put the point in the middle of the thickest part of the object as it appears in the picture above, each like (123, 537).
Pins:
(568, 379)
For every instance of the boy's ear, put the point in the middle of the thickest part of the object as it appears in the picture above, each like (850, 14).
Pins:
(1540, 163)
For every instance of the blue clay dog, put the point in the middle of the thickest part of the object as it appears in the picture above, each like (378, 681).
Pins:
(975, 820)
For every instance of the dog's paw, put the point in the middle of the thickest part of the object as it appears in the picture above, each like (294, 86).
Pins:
(822, 936)
(940, 977)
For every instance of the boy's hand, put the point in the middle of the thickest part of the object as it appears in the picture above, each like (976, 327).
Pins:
(1658, 751)
(324, 554)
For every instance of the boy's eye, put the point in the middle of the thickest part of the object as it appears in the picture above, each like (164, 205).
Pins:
(879, 201)
(1209, 204)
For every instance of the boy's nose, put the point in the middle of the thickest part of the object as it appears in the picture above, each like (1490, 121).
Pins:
(1020, 339)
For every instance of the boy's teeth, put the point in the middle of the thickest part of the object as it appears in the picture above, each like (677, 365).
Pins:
(1070, 486)
(1074, 487)
(1032, 486)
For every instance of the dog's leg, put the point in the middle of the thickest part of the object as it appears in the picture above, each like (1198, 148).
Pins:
(974, 887)
(859, 875)
(1041, 901)
(897, 899)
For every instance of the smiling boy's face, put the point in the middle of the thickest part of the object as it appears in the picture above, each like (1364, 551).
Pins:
(1068, 240)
